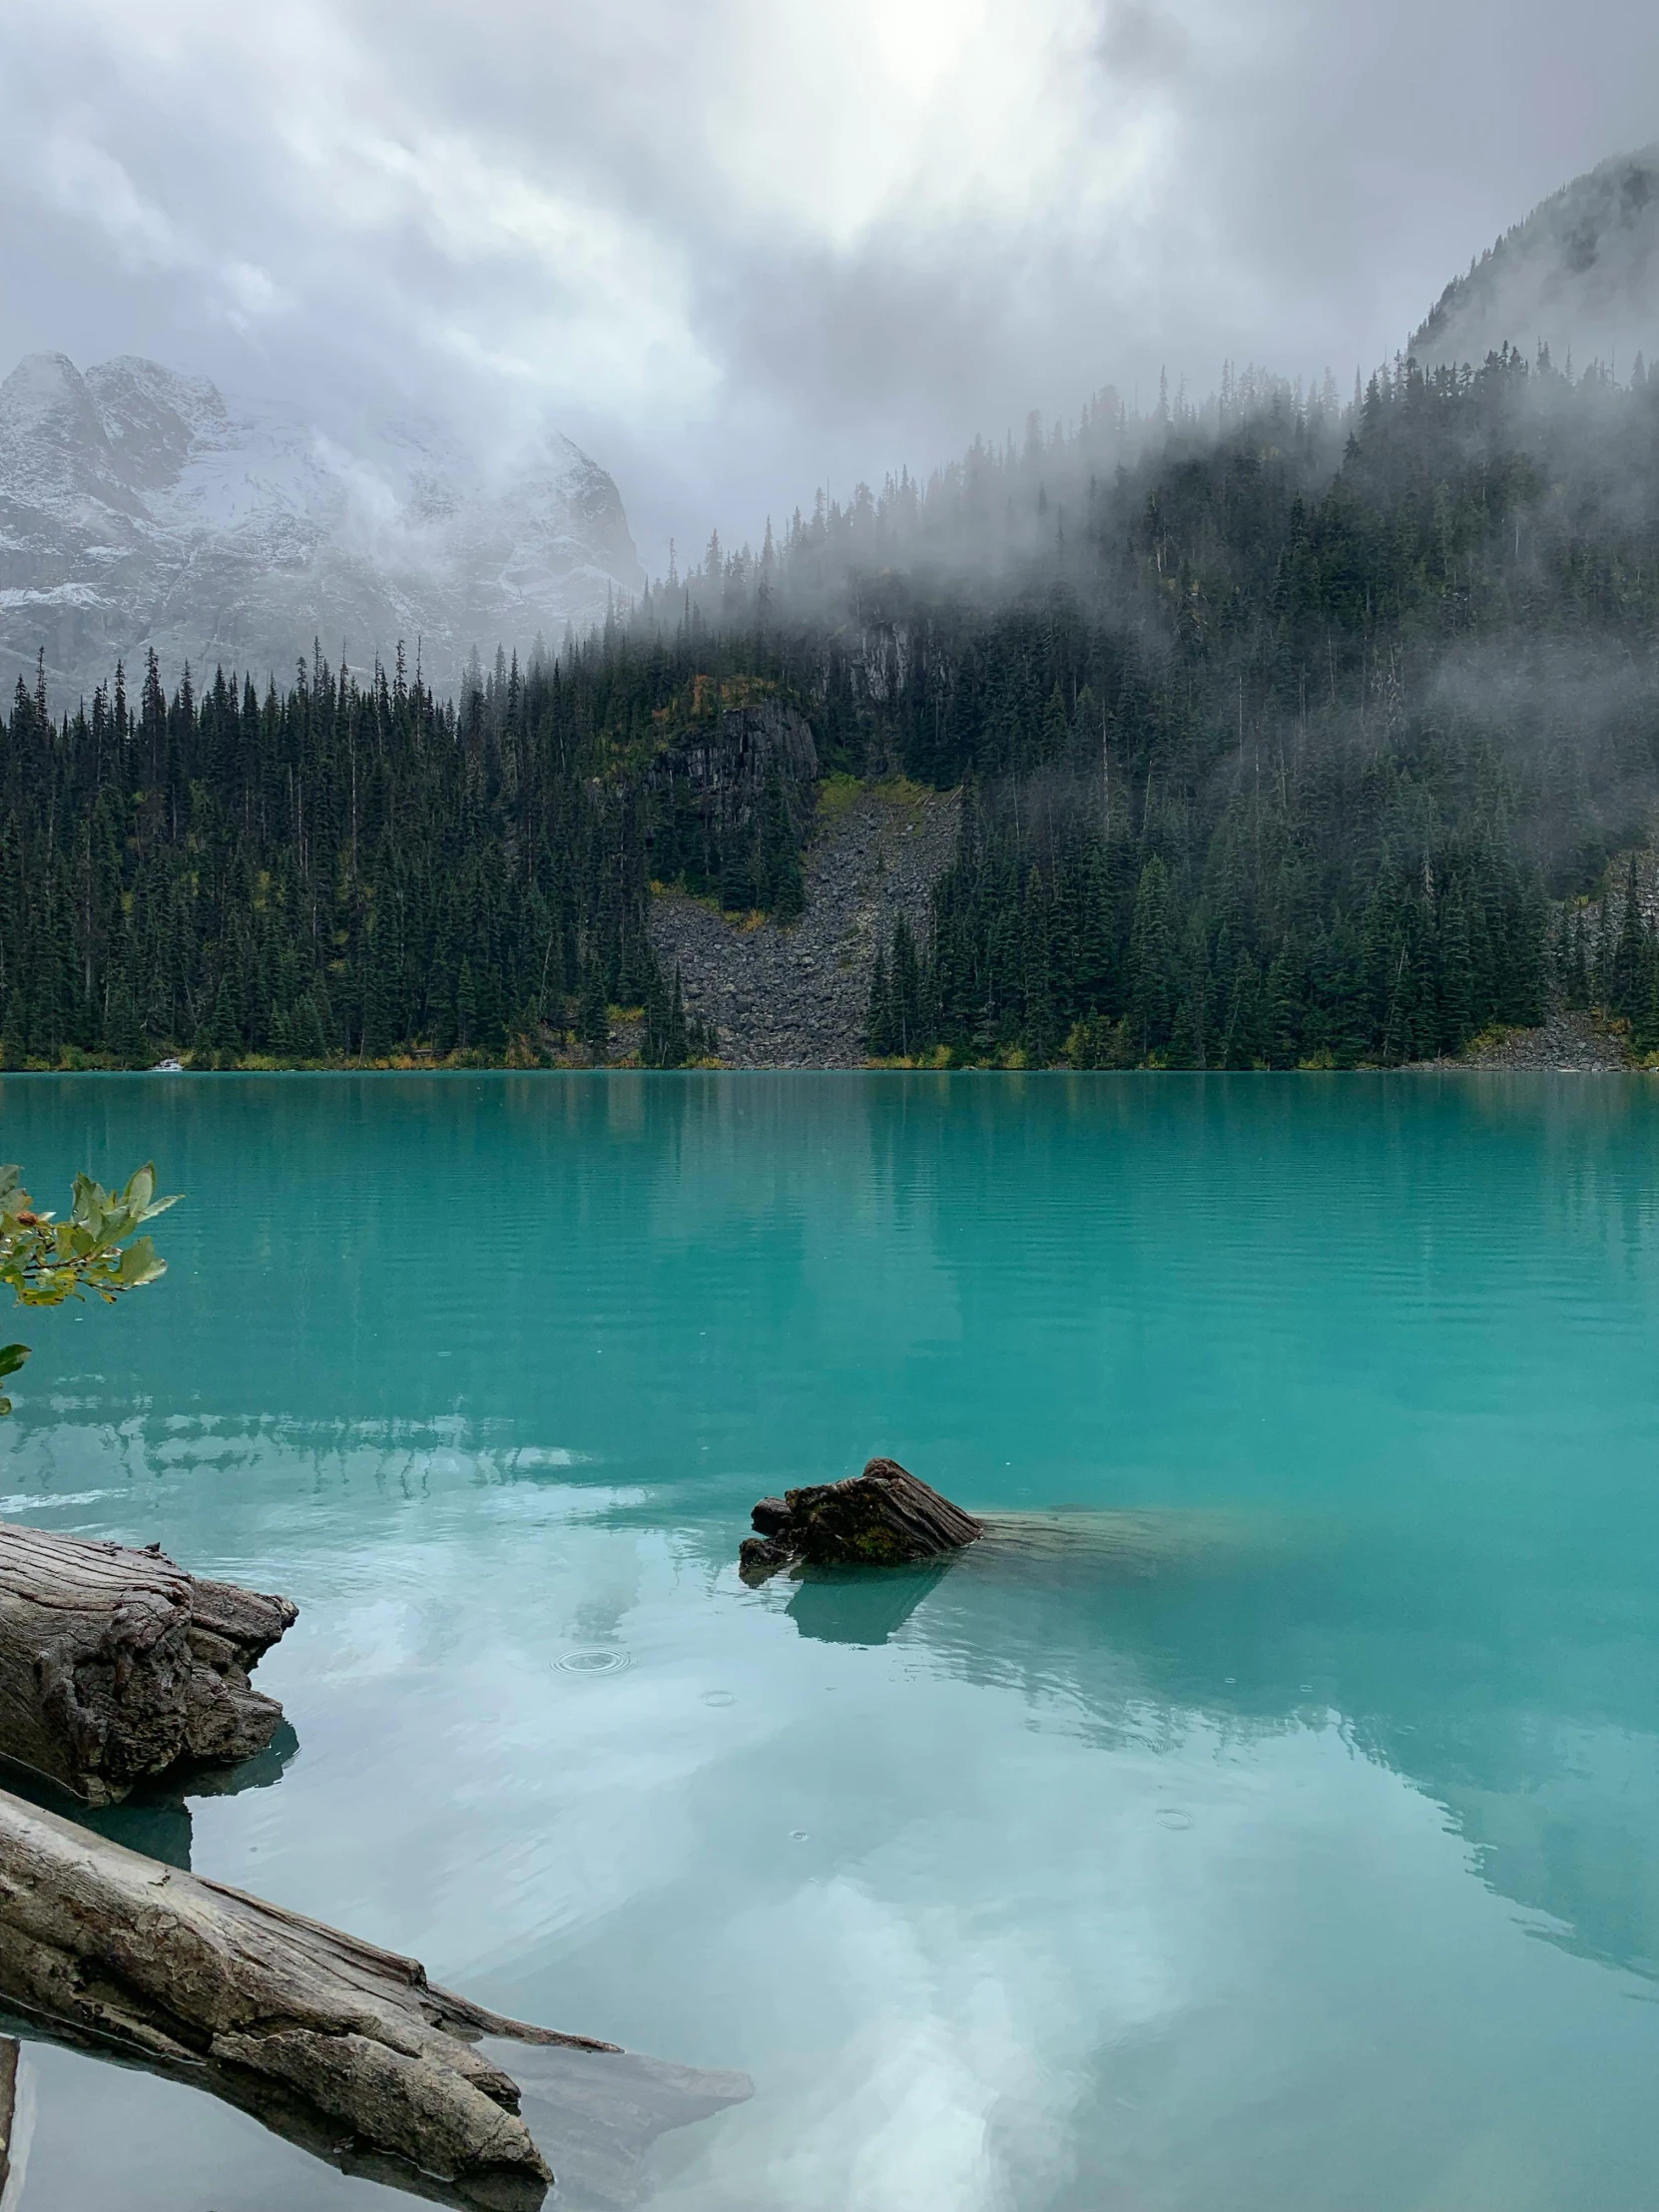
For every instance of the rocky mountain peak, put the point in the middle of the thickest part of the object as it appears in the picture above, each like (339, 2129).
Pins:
(53, 444)
(152, 417)
(140, 507)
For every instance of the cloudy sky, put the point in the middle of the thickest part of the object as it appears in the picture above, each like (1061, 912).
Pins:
(742, 247)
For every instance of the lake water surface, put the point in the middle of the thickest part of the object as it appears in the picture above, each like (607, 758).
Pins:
(1292, 1844)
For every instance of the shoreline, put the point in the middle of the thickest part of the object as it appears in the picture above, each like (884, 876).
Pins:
(1416, 1068)
(1568, 1042)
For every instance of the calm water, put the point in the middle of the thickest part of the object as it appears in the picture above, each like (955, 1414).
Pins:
(1299, 1853)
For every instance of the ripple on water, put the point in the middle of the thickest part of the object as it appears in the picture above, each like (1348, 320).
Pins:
(598, 1660)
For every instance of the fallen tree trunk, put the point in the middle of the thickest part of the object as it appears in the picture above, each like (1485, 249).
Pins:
(343, 2048)
(8, 2106)
(116, 1664)
(883, 1517)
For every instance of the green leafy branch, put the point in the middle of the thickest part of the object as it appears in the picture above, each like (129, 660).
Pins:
(46, 1261)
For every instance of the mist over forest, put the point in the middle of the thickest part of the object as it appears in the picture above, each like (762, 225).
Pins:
(1292, 727)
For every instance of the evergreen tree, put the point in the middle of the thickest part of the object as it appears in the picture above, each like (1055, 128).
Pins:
(1152, 962)
(592, 1018)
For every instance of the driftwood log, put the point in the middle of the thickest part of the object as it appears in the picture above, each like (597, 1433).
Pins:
(341, 2047)
(115, 1664)
(8, 2106)
(883, 1517)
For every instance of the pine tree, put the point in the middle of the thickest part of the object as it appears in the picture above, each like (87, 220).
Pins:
(123, 1031)
(777, 870)
(219, 1039)
(1281, 1011)
(881, 1030)
(592, 1019)
(1456, 978)
(1151, 962)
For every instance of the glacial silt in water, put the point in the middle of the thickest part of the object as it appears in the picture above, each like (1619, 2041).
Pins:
(1264, 1818)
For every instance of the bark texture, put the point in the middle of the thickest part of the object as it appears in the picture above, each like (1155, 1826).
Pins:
(8, 2105)
(116, 1664)
(883, 1517)
(343, 2048)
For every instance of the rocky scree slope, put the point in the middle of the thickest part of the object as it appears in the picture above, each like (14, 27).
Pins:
(1566, 1043)
(797, 997)
(141, 508)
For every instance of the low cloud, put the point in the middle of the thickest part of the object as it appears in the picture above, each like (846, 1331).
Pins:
(737, 250)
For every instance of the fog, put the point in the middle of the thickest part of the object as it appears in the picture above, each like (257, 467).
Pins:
(742, 251)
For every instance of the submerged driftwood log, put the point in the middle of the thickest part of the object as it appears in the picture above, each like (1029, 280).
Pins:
(8, 2106)
(885, 1518)
(115, 1664)
(343, 2048)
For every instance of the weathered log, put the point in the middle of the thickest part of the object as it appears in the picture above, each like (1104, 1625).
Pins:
(883, 1517)
(8, 2106)
(116, 1664)
(344, 2048)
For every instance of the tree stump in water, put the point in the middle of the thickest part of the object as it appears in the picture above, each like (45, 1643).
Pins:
(341, 2047)
(115, 1664)
(883, 1517)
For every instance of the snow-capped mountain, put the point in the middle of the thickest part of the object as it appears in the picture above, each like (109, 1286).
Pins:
(1581, 273)
(138, 507)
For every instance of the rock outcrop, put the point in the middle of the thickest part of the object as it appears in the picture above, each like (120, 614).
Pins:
(721, 767)
(885, 1518)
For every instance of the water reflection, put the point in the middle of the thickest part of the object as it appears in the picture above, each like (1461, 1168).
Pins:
(154, 1817)
(596, 2115)
(597, 2112)
(1446, 1668)
(853, 1605)
(1081, 1873)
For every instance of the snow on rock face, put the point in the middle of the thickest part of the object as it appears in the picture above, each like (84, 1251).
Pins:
(53, 446)
(139, 508)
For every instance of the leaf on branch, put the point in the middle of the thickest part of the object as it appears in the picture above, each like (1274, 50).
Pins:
(139, 1264)
(12, 1357)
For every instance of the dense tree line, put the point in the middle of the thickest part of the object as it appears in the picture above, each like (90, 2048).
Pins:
(1286, 731)
(1606, 955)
(340, 869)
(1064, 937)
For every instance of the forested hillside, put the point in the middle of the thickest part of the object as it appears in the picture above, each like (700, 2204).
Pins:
(340, 869)
(1332, 774)
(1289, 730)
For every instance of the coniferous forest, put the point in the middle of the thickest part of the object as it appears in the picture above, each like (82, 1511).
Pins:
(1288, 732)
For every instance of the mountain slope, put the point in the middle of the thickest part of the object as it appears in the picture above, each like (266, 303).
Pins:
(138, 508)
(1581, 273)
(780, 997)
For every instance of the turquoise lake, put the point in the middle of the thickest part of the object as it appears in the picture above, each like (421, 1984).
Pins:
(1289, 1842)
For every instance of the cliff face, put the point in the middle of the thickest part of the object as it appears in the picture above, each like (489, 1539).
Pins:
(730, 796)
(1582, 271)
(139, 507)
(721, 769)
